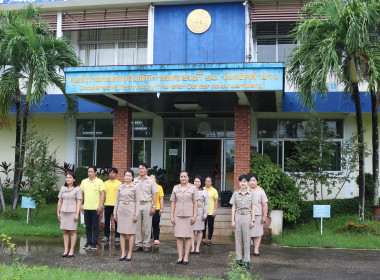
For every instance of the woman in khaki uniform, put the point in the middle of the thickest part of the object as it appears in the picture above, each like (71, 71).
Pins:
(199, 225)
(243, 220)
(184, 208)
(261, 212)
(126, 213)
(69, 203)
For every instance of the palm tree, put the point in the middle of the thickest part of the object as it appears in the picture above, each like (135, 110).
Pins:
(333, 35)
(32, 59)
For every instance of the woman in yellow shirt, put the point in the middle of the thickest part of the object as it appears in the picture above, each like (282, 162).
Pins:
(157, 215)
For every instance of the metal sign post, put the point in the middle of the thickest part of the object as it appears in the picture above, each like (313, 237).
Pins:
(29, 203)
(321, 211)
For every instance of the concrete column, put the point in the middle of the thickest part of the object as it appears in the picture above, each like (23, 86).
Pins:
(242, 142)
(150, 34)
(122, 139)
(59, 25)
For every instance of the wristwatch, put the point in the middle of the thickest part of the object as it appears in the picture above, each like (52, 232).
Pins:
(253, 221)
(154, 206)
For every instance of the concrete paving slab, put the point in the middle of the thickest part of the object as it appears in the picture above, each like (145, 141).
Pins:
(273, 262)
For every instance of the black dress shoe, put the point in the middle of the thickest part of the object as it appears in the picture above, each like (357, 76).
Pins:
(256, 255)
(64, 255)
(246, 264)
(239, 262)
(192, 252)
(196, 253)
(203, 243)
(185, 263)
(179, 262)
(122, 259)
(128, 259)
(70, 256)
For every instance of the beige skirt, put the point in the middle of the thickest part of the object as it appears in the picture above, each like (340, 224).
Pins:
(125, 214)
(199, 224)
(183, 228)
(67, 221)
(258, 229)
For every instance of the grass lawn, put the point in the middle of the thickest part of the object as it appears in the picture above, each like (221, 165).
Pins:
(334, 236)
(42, 272)
(46, 223)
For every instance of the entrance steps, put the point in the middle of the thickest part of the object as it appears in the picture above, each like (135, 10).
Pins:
(222, 223)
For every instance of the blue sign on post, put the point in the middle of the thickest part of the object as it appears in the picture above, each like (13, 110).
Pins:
(321, 211)
(28, 202)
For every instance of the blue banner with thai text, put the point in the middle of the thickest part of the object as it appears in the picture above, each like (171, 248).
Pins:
(4, 2)
(175, 78)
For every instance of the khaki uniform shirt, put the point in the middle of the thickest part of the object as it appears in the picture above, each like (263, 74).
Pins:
(243, 201)
(146, 187)
(203, 201)
(128, 194)
(69, 198)
(184, 199)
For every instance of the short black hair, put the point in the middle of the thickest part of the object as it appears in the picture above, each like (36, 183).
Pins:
(144, 164)
(200, 179)
(130, 171)
(75, 184)
(114, 170)
(250, 175)
(212, 181)
(93, 167)
(242, 177)
(184, 171)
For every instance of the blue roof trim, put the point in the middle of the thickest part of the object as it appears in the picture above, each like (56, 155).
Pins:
(196, 66)
(335, 102)
(56, 103)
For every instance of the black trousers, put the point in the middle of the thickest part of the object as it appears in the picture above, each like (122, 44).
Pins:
(210, 221)
(108, 211)
(156, 225)
(91, 219)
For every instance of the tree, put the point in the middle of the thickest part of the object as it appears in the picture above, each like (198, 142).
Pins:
(32, 59)
(313, 157)
(332, 36)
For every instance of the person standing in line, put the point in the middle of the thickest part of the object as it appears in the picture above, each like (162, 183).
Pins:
(157, 215)
(243, 204)
(199, 225)
(111, 186)
(148, 190)
(69, 203)
(261, 212)
(93, 196)
(212, 208)
(184, 208)
(126, 212)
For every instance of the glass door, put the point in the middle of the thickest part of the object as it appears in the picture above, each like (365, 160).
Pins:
(173, 161)
(228, 162)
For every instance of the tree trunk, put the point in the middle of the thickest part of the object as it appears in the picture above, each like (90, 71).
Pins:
(16, 172)
(2, 200)
(17, 184)
(375, 148)
(359, 124)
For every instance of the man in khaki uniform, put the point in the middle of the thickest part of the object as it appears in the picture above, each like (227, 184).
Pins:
(243, 219)
(148, 191)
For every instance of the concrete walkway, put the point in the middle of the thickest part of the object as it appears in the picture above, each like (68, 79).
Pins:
(273, 262)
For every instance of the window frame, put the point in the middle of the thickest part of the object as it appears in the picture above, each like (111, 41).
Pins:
(116, 46)
(140, 138)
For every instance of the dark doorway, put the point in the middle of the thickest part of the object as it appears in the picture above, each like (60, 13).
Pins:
(203, 157)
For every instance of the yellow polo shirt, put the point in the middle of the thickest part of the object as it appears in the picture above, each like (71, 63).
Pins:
(212, 194)
(159, 194)
(111, 192)
(91, 192)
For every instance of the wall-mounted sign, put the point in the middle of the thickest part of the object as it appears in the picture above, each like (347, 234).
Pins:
(204, 128)
(175, 78)
(198, 21)
(173, 152)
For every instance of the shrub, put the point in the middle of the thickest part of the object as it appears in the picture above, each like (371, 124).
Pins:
(360, 229)
(81, 173)
(280, 189)
(11, 215)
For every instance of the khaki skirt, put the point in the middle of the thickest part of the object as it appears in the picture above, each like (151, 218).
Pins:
(258, 229)
(199, 224)
(125, 214)
(67, 221)
(183, 228)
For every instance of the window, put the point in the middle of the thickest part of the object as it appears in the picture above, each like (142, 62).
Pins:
(273, 43)
(141, 141)
(119, 46)
(94, 142)
(276, 138)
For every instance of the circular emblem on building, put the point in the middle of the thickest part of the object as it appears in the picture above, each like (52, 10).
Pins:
(204, 128)
(198, 21)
